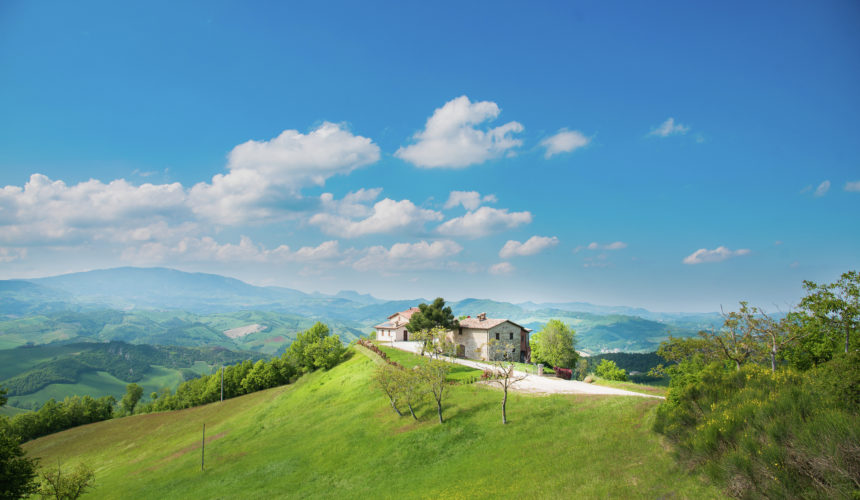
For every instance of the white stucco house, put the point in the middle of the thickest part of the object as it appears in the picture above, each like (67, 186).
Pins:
(473, 337)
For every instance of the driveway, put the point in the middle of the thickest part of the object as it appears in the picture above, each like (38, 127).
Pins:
(533, 383)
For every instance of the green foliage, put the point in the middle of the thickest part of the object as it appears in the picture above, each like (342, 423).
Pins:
(17, 471)
(133, 393)
(61, 485)
(55, 416)
(554, 345)
(434, 376)
(776, 435)
(432, 316)
(610, 371)
(581, 369)
(315, 348)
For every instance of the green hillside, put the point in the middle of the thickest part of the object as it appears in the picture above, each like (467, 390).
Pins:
(332, 434)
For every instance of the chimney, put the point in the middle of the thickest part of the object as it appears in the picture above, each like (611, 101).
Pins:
(482, 317)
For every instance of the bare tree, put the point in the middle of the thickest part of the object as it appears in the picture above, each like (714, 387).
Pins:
(737, 339)
(434, 374)
(502, 359)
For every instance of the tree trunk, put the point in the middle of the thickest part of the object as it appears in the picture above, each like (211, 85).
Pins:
(847, 332)
(773, 359)
(439, 410)
(737, 365)
(395, 408)
(412, 411)
(504, 407)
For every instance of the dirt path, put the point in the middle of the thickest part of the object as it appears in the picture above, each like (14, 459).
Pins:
(533, 383)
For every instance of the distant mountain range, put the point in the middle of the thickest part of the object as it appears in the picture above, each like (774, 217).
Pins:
(130, 289)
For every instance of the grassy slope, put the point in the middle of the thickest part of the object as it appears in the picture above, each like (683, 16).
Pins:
(333, 435)
(457, 373)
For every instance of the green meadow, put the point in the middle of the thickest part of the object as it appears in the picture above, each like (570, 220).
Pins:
(333, 434)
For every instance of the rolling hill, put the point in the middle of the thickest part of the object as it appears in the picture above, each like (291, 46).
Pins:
(332, 434)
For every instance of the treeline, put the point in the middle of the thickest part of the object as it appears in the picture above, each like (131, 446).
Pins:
(313, 349)
(127, 362)
(771, 409)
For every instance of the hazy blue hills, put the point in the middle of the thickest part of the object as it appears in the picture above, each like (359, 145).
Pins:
(166, 306)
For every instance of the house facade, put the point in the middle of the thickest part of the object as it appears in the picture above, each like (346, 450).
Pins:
(394, 329)
(472, 339)
(475, 336)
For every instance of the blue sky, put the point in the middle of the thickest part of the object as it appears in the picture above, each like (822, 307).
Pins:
(671, 156)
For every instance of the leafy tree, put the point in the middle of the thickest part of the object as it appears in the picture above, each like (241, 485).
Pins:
(68, 486)
(610, 371)
(316, 348)
(555, 344)
(133, 393)
(17, 472)
(581, 368)
(836, 305)
(386, 377)
(434, 375)
(326, 353)
(432, 316)
(409, 388)
(503, 371)
(434, 341)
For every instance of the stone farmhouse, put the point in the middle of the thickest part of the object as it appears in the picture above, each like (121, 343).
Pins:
(472, 339)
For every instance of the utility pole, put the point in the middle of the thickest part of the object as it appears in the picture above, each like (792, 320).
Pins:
(203, 448)
(222, 383)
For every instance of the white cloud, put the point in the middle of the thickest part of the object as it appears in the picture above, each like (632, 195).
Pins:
(12, 254)
(451, 137)
(822, 189)
(48, 211)
(207, 249)
(564, 141)
(265, 175)
(469, 199)
(484, 221)
(668, 128)
(615, 245)
(400, 256)
(853, 186)
(532, 246)
(502, 268)
(387, 216)
(718, 254)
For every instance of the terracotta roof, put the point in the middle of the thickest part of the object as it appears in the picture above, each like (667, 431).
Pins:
(485, 324)
(407, 313)
(387, 326)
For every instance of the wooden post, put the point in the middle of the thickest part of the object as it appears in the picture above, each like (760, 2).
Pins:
(203, 448)
(222, 383)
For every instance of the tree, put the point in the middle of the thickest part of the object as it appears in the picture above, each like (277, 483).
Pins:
(503, 371)
(386, 378)
(737, 340)
(17, 471)
(610, 371)
(836, 305)
(326, 353)
(434, 341)
(409, 388)
(315, 348)
(434, 375)
(133, 393)
(68, 486)
(432, 316)
(581, 368)
(555, 344)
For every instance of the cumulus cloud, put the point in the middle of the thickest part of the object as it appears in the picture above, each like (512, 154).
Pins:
(469, 199)
(564, 141)
(853, 186)
(48, 211)
(452, 137)
(501, 268)
(532, 246)
(264, 175)
(615, 245)
(668, 128)
(386, 216)
(484, 221)
(719, 254)
(822, 189)
(400, 256)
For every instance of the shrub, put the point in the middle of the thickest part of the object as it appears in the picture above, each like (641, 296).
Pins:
(609, 370)
(565, 373)
(589, 379)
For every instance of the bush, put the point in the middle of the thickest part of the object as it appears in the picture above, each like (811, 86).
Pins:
(778, 435)
(565, 373)
(609, 370)
(589, 379)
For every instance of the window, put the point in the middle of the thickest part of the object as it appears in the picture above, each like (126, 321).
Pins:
(497, 335)
(512, 336)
